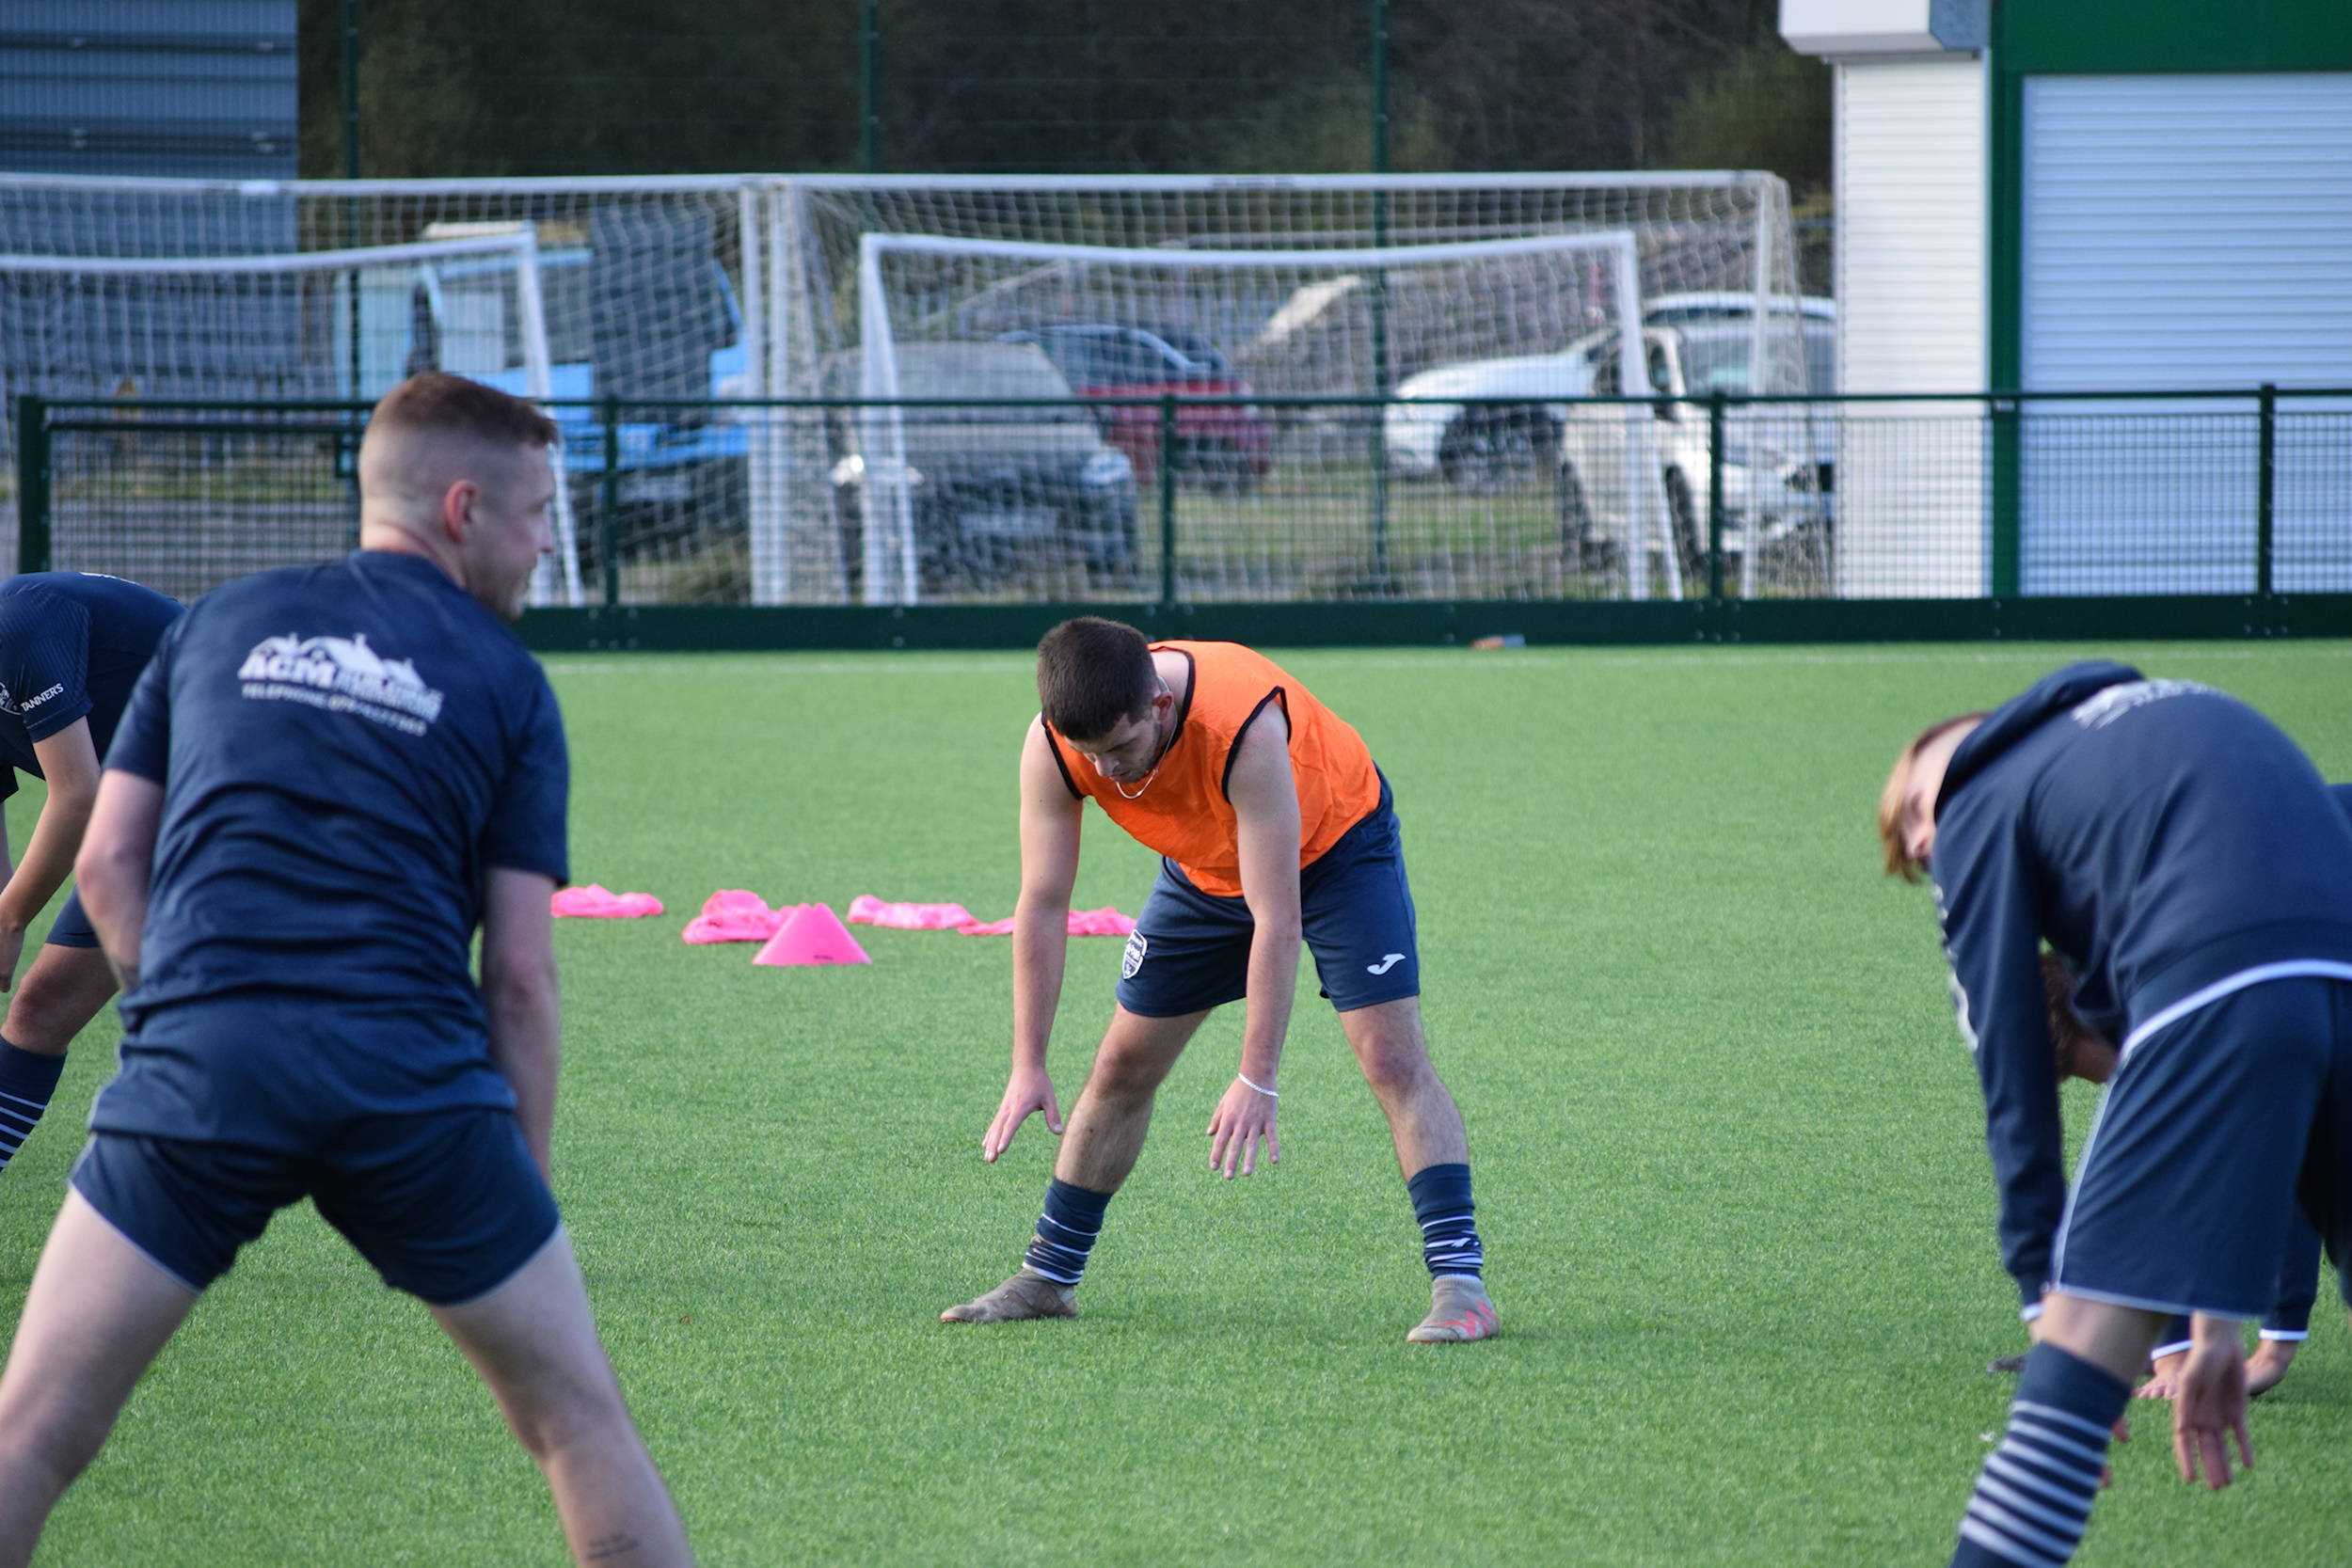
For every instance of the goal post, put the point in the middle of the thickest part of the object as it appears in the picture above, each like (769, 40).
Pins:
(1723, 238)
(327, 326)
(1455, 292)
(674, 295)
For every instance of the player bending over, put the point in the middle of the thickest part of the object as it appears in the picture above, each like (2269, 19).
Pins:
(1272, 823)
(2184, 859)
(327, 779)
(72, 644)
(2085, 1053)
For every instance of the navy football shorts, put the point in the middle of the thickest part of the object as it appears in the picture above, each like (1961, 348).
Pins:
(1190, 950)
(448, 1206)
(71, 928)
(2212, 1126)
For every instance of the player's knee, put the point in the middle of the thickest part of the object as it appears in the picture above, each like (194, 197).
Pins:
(1395, 1063)
(560, 1415)
(52, 1004)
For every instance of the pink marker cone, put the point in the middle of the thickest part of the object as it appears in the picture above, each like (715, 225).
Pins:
(815, 935)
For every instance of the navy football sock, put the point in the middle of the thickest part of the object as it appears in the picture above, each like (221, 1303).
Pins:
(2034, 1496)
(1449, 1227)
(1066, 1232)
(27, 1079)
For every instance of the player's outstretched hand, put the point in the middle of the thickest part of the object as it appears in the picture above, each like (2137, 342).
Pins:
(1243, 1123)
(2207, 1408)
(11, 949)
(2164, 1379)
(1027, 1092)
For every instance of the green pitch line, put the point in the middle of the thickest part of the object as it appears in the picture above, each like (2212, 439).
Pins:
(1728, 1152)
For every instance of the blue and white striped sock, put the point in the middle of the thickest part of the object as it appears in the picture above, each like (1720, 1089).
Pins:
(2034, 1496)
(1066, 1231)
(27, 1080)
(1449, 1224)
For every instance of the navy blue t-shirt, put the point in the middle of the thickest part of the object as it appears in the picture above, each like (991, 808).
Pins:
(345, 751)
(72, 646)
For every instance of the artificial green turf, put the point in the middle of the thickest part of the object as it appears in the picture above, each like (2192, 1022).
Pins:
(1728, 1151)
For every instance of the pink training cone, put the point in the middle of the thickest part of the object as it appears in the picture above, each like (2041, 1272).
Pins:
(815, 935)
(731, 915)
(593, 902)
(1104, 922)
(869, 911)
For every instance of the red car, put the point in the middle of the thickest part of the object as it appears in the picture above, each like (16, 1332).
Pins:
(1227, 446)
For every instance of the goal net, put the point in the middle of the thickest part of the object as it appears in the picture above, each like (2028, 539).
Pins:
(674, 295)
(1295, 324)
(1279, 286)
(184, 498)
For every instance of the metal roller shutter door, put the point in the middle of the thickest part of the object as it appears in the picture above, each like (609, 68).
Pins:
(2183, 231)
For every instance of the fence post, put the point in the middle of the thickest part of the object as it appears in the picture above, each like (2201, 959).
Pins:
(609, 505)
(2266, 487)
(32, 485)
(1167, 499)
(2008, 499)
(869, 83)
(1715, 499)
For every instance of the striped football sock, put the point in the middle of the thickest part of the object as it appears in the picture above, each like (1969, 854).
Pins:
(1449, 1226)
(27, 1079)
(1066, 1232)
(2034, 1496)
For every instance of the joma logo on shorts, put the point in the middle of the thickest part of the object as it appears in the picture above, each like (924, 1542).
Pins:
(1384, 965)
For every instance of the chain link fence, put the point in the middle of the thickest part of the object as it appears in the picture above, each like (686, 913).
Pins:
(1224, 499)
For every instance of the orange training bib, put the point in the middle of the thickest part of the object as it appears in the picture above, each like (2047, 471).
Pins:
(1181, 809)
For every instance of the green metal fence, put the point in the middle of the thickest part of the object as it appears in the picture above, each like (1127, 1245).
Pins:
(735, 522)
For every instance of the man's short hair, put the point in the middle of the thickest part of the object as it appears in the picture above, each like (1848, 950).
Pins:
(1898, 861)
(1092, 674)
(432, 402)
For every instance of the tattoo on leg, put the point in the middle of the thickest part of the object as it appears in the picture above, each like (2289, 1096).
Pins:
(606, 1547)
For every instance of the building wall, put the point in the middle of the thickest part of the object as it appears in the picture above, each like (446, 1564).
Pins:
(1911, 306)
(192, 88)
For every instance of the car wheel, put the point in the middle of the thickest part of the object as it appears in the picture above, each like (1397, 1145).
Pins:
(1497, 449)
(1104, 539)
(1582, 550)
(1688, 533)
(1214, 464)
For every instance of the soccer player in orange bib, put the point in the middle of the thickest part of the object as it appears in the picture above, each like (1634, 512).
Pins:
(1273, 826)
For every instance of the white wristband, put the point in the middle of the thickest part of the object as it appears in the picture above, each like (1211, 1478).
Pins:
(1260, 1087)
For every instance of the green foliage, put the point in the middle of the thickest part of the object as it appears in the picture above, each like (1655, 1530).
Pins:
(620, 86)
(1728, 1153)
(1765, 107)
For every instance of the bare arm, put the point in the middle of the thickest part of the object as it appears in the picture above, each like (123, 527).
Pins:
(1050, 820)
(518, 990)
(69, 763)
(1265, 807)
(112, 871)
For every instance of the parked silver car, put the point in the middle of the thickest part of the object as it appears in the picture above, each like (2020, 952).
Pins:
(1015, 473)
(1629, 475)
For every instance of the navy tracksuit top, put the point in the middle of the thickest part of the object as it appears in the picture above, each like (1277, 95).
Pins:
(2160, 835)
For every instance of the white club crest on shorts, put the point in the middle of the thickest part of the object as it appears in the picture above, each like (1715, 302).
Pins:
(342, 676)
(1131, 960)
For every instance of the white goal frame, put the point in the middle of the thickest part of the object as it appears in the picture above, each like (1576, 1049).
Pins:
(885, 427)
(523, 245)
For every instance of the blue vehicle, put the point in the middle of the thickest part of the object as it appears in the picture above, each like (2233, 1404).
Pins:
(644, 311)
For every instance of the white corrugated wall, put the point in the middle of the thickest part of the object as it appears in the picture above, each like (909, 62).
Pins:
(2184, 231)
(1911, 315)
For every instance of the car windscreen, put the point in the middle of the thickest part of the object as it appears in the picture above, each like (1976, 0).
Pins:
(986, 371)
(1099, 360)
(1716, 361)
